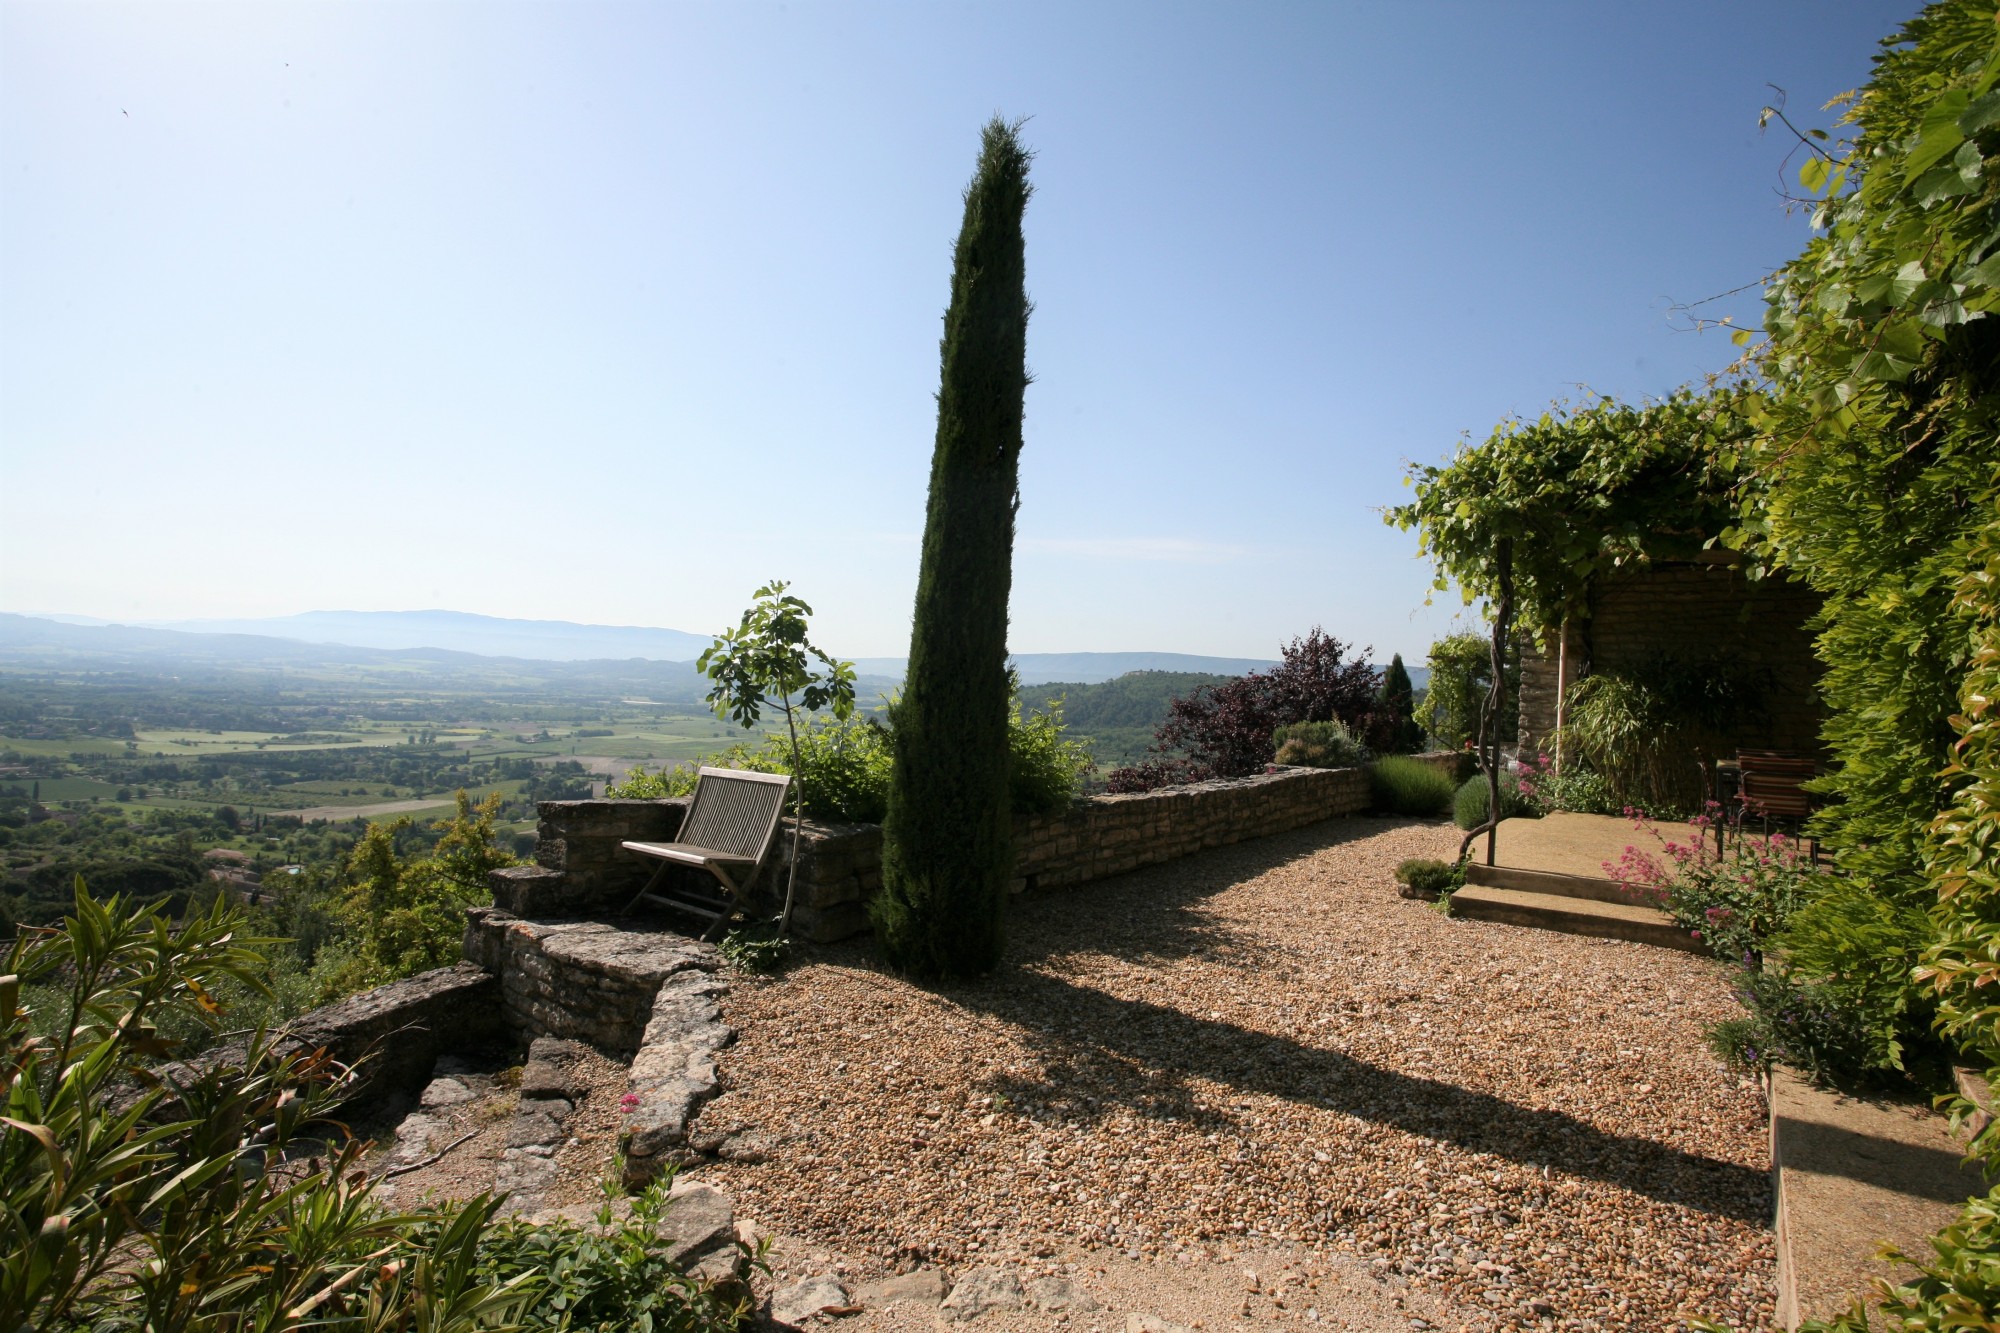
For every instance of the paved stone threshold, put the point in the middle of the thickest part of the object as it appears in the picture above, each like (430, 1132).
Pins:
(1854, 1174)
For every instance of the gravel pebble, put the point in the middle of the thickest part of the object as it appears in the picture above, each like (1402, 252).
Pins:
(1264, 1048)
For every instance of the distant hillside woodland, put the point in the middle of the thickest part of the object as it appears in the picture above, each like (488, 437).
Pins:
(1119, 716)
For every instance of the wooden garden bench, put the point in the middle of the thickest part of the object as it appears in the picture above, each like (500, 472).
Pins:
(729, 829)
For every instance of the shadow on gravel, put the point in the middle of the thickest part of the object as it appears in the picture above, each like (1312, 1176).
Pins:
(1101, 1051)
(1106, 1054)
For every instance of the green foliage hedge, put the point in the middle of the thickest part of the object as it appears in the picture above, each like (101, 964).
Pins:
(1875, 466)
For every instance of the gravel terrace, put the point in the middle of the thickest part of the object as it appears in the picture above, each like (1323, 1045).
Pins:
(1260, 1056)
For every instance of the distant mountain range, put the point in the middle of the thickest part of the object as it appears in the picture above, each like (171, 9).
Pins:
(460, 637)
(546, 641)
(459, 631)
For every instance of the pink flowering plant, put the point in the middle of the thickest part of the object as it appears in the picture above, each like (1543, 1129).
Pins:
(1734, 901)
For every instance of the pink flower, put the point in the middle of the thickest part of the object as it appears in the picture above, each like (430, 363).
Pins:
(629, 1102)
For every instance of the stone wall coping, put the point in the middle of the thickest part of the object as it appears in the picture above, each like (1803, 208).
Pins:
(1277, 774)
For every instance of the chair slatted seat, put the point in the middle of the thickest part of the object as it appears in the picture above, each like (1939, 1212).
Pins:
(729, 828)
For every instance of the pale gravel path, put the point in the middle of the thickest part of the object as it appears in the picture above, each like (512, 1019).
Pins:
(1263, 1050)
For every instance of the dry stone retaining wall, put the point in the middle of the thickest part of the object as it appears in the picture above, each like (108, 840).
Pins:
(404, 1026)
(580, 841)
(584, 980)
(840, 865)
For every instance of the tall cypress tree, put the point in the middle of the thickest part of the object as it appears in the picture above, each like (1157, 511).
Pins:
(947, 852)
(1399, 701)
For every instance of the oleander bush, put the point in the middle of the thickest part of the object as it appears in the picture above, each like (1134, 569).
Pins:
(1401, 785)
(221, 1195)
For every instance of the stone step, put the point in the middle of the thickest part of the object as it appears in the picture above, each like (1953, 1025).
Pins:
(1572, 916)
(1855, 1173)
(1552, 882)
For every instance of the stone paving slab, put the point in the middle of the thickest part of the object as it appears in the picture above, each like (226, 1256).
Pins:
(1853, 1175)
(1572, 844)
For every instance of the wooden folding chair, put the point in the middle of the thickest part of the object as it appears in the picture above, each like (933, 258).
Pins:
(730, 826)
(1773, 790)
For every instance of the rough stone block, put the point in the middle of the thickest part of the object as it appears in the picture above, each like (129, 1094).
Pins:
(403, 1027)
(528, 890)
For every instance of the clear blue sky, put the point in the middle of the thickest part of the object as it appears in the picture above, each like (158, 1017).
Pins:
(610, 312)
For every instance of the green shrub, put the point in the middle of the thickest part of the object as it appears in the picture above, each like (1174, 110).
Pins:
(1319, 745)
(608, 1278)
(1798, 1023)
(1047, 770)
(1861, 949)
(1405, 786)
(1468, 803)
(1430, 879)
(1825, 962)
(407, 915)
(843, 770)
(1574, 788)
(757, 949)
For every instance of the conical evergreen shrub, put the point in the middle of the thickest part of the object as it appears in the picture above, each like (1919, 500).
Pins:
(1405, 734)
(947, 851)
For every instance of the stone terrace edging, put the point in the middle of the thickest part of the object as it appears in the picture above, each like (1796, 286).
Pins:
(840, 865)
(650, 996)
(583, 980)
(581, 868)
(401, 1028)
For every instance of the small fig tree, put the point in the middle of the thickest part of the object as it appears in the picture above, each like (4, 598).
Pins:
(764, 662)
